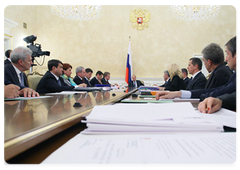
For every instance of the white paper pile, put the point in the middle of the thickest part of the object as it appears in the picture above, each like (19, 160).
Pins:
(150, 118)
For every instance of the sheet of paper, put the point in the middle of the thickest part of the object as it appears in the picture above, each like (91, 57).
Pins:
(136, 112)
(223, 116)
(181, 148)
(146, 100)
(27, 98)
(66, 93)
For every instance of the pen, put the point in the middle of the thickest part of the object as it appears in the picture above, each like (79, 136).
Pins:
(207, 109)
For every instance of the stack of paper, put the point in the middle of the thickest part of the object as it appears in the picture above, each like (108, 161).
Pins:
(150, 118)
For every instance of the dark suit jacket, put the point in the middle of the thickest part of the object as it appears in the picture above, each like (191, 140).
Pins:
(167, 83)
(139, 83)
(7, 62)
(104, 81)
(176, 84)
(87, 82)
(228, 101)
(186, 81)
(198, 82)
(219, 76)
(77, 80)
(230, 87)
(49, 84)
(94, 81)
(11, 77)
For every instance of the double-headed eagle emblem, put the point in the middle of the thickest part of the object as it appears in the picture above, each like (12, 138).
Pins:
(140, 18)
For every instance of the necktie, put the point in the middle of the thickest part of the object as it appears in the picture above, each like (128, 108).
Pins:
(83, 80)
(189, 81)
(22, 80)
(59, 82)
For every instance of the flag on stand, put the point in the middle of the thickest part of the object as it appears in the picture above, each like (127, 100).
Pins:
(128, 76)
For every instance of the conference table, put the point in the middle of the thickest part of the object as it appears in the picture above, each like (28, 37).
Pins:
(35, 128)
(32, 124)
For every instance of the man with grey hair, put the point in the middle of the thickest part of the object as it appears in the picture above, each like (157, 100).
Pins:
(14, 72)
(106, 77)
(213, 59)
(80, 76)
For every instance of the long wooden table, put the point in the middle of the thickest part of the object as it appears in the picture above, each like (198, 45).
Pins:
(31, 122)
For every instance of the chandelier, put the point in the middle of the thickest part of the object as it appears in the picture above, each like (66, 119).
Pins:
(195, 12)
(77, 12)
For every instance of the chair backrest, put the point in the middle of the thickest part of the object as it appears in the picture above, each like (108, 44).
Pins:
(33, 81)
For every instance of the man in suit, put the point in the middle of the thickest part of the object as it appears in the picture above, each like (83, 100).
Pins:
(106, 77)
(7, 54)
(230, 87)
(198, 80)
(213, 58)
(135, 83)
(80, 76)
(14, 72)
(52, 81)
(88, 76)
(166, 78)
(97, 78)
(185, 76)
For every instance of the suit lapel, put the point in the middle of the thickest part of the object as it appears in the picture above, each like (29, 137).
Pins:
(15, 76)
(209, 80)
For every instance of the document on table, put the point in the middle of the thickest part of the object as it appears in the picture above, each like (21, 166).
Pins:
(135, 112)
(66, 93)
(26, 98)
(181, 148)
(146, 100)
(223, 116)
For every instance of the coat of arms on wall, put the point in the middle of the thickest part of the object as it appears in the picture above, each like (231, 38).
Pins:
(140, 18)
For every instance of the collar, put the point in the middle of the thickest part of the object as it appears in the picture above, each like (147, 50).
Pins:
(80, 77)
(54, 76)
(16, 69)
(194, 75)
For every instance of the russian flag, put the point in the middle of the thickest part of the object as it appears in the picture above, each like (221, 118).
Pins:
(128, 76)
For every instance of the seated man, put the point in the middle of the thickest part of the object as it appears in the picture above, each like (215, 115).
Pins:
(8, 60)
(106, 77)
(88, 76)
(185, 76)
(97, 78)
(14, 72)
(198, 80)
(52, 81)
(211, 104)
(230, 87)
(166, 78)
(80, 76)
(213, 58)
(135, 83)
